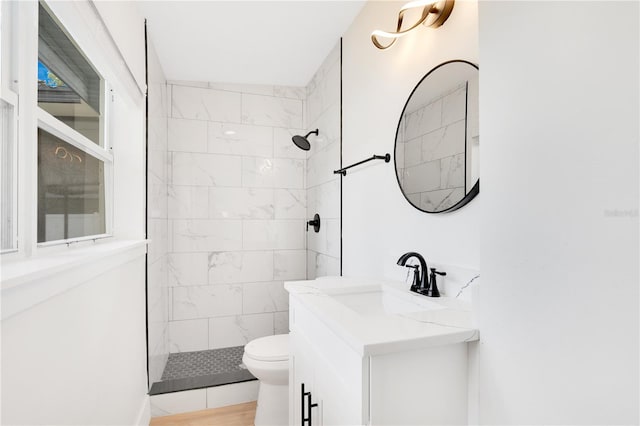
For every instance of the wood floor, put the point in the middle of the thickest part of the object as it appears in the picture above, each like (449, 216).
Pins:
(233, 415)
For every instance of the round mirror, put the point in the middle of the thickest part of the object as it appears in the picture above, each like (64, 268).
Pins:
(437, 141)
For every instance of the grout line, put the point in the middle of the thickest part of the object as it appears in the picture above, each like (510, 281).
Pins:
(229, 122)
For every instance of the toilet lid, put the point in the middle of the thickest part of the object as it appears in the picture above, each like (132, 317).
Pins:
(270, 348)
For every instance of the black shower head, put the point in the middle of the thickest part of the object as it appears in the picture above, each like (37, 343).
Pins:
(302, 142)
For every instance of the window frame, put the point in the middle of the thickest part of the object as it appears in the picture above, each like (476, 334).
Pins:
(19, 26)
(10, 97)
(103, 152)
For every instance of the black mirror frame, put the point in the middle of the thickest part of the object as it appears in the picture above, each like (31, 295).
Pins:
(475, 190)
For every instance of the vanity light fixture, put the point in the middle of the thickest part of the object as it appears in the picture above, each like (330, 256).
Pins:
(434, 14)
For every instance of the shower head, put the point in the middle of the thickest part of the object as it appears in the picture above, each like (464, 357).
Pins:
(302, 142)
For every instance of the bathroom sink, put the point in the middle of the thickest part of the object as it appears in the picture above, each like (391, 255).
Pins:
(385, 301)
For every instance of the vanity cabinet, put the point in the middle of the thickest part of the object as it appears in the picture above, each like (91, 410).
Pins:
(351, 387)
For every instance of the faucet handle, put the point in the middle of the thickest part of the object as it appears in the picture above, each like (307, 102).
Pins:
(415, 285)
(433, 271)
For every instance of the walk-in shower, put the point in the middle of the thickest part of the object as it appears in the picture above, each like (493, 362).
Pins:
(226, 218)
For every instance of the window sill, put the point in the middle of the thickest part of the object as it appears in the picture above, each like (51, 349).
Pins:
(27, 282)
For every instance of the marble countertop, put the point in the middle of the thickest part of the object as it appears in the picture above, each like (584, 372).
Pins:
(380, 333)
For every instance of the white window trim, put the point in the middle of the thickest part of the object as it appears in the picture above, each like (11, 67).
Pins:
(60, 130)
(28, 282)
(10, 97)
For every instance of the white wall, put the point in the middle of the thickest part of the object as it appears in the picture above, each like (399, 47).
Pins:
(559, 299)
(379, 225)
(558, 212)
(79, 358)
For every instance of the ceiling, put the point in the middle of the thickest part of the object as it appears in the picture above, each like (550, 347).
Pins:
(252, 42)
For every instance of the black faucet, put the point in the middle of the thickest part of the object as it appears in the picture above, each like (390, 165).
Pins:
(420, 277)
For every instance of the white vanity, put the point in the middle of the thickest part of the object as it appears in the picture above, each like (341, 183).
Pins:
(373, 353)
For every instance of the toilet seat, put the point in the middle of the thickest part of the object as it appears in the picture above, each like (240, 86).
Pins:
(268, 349)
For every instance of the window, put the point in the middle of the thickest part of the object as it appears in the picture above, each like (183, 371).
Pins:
(56, 163)
(8, 132)
(68, 87)
(70, 191)
(73, 156)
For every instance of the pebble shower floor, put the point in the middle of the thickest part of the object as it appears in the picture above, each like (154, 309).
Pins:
(202, 369)
(203, 363)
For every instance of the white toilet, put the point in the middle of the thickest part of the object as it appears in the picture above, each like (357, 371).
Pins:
(267, 358)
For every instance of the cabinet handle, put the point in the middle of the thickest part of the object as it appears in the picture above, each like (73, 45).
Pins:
(302, 395)
(309, 405)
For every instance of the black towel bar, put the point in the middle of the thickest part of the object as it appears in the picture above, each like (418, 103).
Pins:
(343, 171)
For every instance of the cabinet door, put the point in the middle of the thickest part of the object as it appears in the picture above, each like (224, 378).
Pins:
(425, 386)
(339, 402)
(335, 375)
(301, 371)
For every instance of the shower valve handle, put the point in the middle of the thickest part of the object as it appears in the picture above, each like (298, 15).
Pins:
(315, 223)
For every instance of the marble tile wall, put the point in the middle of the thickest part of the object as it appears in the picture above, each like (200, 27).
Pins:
(433, 151)
(237, 208)
(157, 222)
(323, 187)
